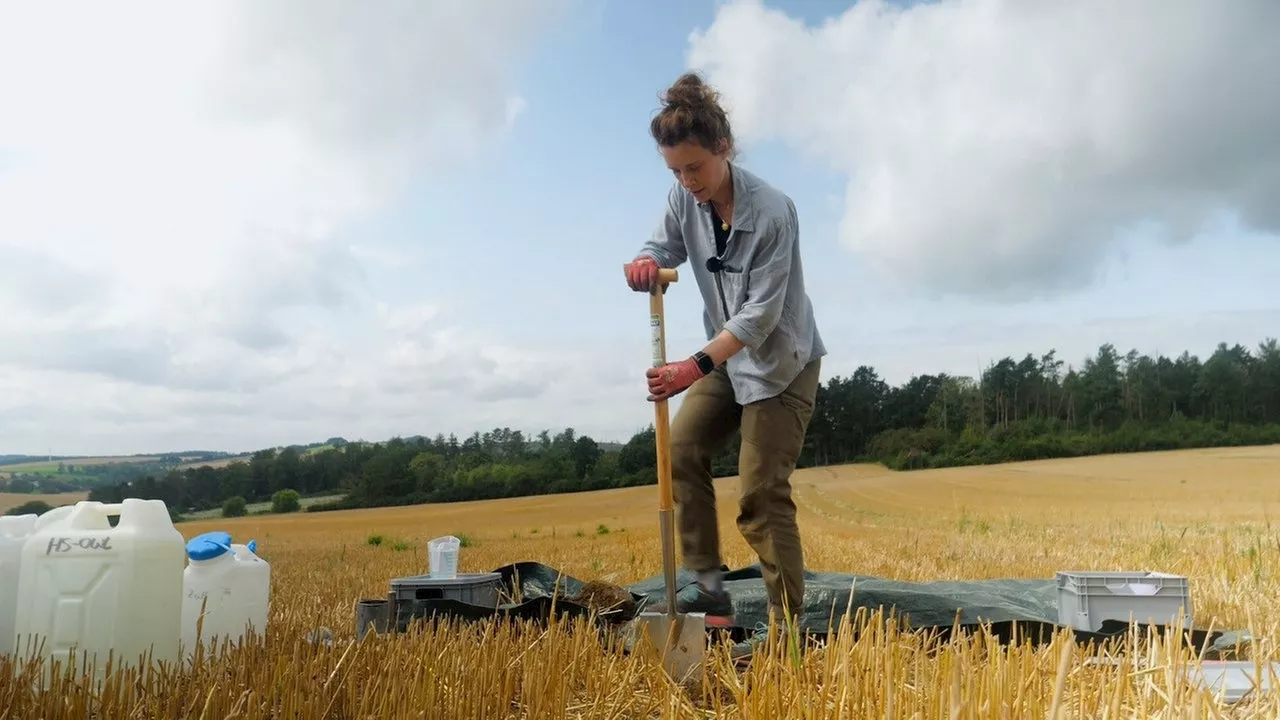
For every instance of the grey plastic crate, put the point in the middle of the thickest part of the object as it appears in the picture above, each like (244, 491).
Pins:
(1086, 598)
(474, 589)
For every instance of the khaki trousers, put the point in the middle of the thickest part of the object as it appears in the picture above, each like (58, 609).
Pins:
(773, 433)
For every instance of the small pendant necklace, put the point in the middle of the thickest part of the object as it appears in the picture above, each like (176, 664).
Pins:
(726, 217)
(724, 222)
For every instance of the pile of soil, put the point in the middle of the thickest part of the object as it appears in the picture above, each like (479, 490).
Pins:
(604, 597)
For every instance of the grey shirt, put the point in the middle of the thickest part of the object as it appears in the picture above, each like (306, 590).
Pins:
(759, 295)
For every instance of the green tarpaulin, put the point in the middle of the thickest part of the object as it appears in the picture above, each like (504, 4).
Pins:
(1027, 605)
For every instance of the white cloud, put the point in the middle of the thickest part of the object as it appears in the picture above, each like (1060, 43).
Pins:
(1002, 147)
(178, 184)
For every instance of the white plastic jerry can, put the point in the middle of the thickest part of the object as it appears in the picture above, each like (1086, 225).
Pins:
(226, 592)
(14, 531)
(55, 515)
(88, 591)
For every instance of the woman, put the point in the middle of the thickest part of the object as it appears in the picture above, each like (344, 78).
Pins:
(759, 372)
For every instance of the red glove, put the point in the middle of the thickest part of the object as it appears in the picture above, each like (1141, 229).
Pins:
(642, 274)
(672, 379)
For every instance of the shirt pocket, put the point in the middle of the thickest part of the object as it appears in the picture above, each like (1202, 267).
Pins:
(734, 282)
(735, 273)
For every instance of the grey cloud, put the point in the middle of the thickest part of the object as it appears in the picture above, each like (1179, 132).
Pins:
(37, 284)
(254, 331)
(385, 80)
(148, 357)
(509, 390)
(320, 273)
(431, 368)
(137, 356)
(303, 273)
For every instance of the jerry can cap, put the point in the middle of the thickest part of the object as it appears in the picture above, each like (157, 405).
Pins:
(209, 545)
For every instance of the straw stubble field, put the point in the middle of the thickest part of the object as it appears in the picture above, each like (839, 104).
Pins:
(1205, 514)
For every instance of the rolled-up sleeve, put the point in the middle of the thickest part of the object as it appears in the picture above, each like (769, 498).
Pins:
(666, 245)
(768, 278)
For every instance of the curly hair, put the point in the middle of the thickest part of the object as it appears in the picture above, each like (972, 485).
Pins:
(691, 112)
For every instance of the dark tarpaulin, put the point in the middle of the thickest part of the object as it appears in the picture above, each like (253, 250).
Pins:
(1028, 606)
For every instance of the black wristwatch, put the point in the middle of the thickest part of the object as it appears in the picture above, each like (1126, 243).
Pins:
(704, 361)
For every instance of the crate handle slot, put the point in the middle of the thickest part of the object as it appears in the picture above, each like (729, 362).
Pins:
(1143, 589)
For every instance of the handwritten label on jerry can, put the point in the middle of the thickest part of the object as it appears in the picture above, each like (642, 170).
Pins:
(64, 545)
(88, 587)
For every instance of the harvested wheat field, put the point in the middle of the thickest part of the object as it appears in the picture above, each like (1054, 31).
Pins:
(1206, 514)
(9, 501)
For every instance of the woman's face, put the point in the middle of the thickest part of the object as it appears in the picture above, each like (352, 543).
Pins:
(700, 171)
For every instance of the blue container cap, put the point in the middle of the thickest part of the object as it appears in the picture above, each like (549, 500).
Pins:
(209, 545)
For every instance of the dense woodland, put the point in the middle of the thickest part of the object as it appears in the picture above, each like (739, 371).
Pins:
(1019, 409)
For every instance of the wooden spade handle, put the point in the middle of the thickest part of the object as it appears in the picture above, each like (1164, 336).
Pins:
(662, 423)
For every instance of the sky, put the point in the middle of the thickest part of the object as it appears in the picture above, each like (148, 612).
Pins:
(234, 225)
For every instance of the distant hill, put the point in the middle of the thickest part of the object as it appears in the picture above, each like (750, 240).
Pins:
(8, 461)
(66, 473)
(198, 457)
(17, 459)
(59, 474)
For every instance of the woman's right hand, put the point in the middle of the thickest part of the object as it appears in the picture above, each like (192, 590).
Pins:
(642, 273)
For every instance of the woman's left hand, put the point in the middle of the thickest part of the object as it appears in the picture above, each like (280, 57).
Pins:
(672, 379)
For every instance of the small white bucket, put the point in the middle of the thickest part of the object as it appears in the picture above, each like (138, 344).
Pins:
(442, 553)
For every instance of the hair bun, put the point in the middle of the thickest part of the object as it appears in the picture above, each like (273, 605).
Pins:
(691, 112)
(689, 91)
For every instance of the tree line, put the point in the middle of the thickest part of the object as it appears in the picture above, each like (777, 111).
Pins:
(1017, 409)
